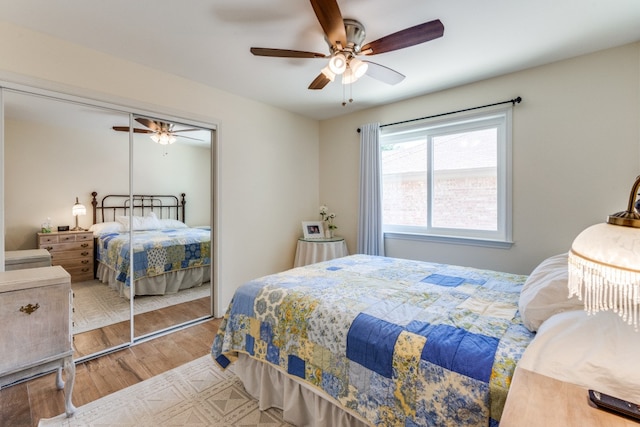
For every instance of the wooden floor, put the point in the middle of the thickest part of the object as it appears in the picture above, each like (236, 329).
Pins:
(25, 403)
(97, 340)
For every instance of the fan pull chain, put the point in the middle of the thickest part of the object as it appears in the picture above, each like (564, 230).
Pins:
(344, 103)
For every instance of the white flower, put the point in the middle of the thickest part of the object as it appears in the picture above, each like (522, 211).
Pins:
(329, 217)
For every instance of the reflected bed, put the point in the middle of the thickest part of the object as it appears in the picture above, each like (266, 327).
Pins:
(168, 256)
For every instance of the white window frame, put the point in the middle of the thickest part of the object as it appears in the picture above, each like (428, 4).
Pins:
(499, 118)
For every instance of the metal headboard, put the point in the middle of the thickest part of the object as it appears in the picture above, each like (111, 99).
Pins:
(112, 205)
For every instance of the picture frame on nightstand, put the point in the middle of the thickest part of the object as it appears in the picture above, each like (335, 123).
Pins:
(313, 229)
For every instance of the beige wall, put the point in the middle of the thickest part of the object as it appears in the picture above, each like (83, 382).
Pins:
(265, 182)
(576, 143)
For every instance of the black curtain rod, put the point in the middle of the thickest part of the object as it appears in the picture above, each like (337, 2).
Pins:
(512, 101)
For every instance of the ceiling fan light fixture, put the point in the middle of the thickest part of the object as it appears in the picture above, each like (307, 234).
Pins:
(338, 63)
(348, 77)
(358, 68)
(163, 138)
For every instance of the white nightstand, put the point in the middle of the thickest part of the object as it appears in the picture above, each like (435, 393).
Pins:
(310, 251)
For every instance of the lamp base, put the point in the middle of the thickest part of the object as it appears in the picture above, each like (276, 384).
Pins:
(625, 218)
(77, 229)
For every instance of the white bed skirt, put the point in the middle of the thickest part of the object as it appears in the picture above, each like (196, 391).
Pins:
(168, 283)
(300, 403)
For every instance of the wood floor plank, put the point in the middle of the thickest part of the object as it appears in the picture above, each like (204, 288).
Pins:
(14, 412)
(44, 396)
(84, 389)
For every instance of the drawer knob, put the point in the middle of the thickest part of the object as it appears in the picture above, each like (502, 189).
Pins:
(29, 308)
(49, 248)
(85, 253)
(85, 245)
(85, 261)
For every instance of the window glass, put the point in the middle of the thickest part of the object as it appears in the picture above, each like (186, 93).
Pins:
(449, 178)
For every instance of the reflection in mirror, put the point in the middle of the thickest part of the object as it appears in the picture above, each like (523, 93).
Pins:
(171, 226)
(57, 151)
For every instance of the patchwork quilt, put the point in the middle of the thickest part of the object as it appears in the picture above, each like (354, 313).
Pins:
(399, 342)
(155, 252)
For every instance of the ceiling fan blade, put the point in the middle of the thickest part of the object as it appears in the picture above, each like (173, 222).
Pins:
(188, 137)
(154, 126)
(330, 19)
(135, 130)
(285, 53)
(405, 38)
(186, 130)
(384, 74)
(320, 82)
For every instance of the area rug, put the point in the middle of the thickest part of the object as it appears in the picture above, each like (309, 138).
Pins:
(96, 305)
(195, 394)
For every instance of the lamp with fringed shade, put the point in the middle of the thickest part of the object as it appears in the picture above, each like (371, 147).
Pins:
(604, 264)
(604, 272)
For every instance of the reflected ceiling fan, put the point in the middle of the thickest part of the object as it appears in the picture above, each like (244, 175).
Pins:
(345, 38)
(160, 132)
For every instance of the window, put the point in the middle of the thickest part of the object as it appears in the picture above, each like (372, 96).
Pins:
(449, 180)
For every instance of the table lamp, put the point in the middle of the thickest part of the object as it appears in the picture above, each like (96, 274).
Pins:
(604, 264)
(604, 272)
(77, 210)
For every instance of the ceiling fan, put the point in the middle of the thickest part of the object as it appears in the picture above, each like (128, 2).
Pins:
(345, 38)
(161, 132)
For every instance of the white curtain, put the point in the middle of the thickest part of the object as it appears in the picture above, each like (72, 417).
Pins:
(370, 238)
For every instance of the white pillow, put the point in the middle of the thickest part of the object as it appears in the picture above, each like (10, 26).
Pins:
(140, 223)
(171, 223)
(545, 292)
(106, 227)
(599, 352)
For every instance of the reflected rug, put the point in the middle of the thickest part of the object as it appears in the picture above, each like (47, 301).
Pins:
(96, 305)
(195, 394)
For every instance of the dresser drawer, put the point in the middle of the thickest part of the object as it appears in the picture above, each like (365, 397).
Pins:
(45, 238)
(41, 334)
(71, 250)
(58, 256)
(58, 247)
(64, 237)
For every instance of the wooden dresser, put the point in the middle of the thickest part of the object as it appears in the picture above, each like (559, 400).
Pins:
(73, 250)
(35, 327)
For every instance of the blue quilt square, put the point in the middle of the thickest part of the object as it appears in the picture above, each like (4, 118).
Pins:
(370, 342)
(244, 298)
(273, 354)
(461, 351)
(439, 279)
(266, 333)
(296, 366)
(334, 268)
(249, 344)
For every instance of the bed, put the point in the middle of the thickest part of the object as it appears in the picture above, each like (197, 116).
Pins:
(365, 340)
(168, 256)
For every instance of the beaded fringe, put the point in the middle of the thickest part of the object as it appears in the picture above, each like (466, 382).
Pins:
(603, 287)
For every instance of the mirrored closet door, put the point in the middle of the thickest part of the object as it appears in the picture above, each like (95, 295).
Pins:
(65, 157)
(172, 223)
(56, 154)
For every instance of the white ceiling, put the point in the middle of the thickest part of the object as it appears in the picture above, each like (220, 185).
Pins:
(208, 41)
